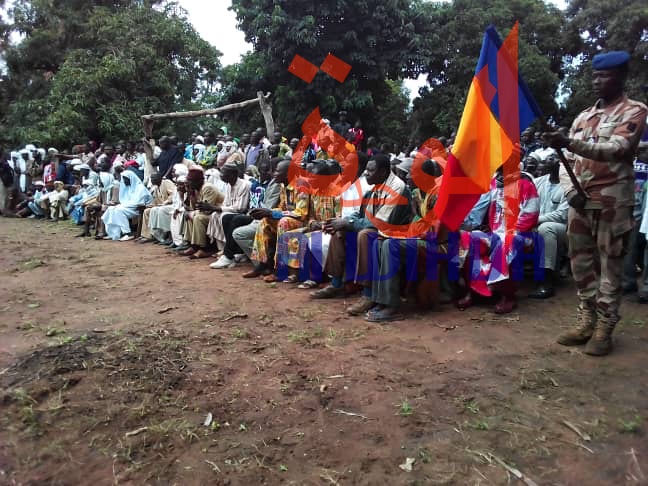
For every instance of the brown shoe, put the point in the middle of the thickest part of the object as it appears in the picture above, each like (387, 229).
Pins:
(585, 321)
(361, 307)
(200, 254)
(188, 252)
(601, 342)
(257, 272)
(328, 292)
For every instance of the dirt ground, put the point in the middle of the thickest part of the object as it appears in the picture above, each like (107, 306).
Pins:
(115, 356)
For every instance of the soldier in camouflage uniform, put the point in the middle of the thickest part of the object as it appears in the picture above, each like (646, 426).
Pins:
(602, 143)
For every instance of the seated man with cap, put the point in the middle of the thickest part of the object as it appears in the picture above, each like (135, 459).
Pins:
(85, 194)
(240, 229)
(404, 169)
(203, 199)
(40, 191)
(258, 238)
(237, 201)
(161, 221)
(57, 201)
(31, 207)
(107, 194)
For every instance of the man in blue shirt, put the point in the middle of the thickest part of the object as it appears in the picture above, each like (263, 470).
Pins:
(64, 173)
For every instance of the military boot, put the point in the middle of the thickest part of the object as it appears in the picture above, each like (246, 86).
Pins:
(601, 342)
(585, 321)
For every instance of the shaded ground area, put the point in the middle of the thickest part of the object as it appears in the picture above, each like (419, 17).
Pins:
(114, 356)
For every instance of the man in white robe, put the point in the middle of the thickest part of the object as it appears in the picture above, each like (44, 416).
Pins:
(237, 201)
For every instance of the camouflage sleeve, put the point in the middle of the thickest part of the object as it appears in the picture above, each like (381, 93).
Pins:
(615, 141)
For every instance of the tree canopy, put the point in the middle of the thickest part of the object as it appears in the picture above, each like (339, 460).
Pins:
(451, 63)
(594, 26)
(381, 41)
(91, 68)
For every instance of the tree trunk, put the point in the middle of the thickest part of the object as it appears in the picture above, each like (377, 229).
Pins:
(266, 110)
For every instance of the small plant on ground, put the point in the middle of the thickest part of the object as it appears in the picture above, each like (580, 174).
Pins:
(630, 426)
(405, 409)
(472, 406)
(240, 333)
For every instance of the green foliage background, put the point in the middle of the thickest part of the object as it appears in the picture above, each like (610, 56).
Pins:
(89, 68)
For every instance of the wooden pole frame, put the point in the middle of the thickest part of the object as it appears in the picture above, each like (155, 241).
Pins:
(261, 99)
(149, 120)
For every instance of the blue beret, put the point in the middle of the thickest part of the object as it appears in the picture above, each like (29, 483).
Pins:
(610, 60)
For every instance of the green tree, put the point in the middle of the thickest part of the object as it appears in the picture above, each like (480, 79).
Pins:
(451, 63)
(392, 109)
(596, 26)
(380, 40)
(91, 69)
(240, 82)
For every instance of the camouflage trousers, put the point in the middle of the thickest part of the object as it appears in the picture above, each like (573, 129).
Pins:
(598, 241)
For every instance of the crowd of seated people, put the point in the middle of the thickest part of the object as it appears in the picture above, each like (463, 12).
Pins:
(236, 201)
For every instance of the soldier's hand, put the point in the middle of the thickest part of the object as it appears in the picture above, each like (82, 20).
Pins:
(577, 201)
(556, 140)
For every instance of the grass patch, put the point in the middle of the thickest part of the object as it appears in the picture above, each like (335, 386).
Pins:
(480, 425)
(305, 336)
(470, 405)
(32, 264)
(240, 333)
(29, 418)
(54, 331)
(405, 409)
(632, 426)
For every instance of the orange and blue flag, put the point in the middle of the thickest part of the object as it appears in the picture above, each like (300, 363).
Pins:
(498, 108)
